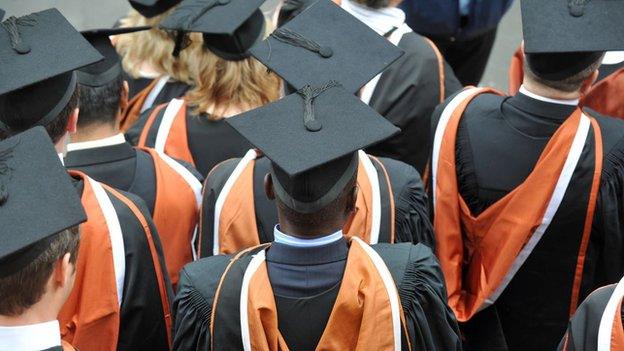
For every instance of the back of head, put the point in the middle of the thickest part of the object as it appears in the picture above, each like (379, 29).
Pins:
(24, 288)
(154, 48)
(377, 4)
(100, 105)
(223, 85)
(565, 72)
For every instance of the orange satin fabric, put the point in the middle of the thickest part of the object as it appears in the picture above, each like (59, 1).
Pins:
(617, 333)
(133, 111)
(90, 318)
(175, 215)
(474, 254)
(361, 318)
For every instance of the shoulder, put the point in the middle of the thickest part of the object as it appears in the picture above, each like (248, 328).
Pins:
(203, 276)
(403, 177)
(612, 130)
(596, 302)
(220, 173)
(132, 213)
(406, 260)
(482, 106)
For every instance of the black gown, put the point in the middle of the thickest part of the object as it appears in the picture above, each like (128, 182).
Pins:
(210, 142)
(430, 322)
(170, 91)
(141, 316)
(582, 333)
(406, 94)
(122, 167)
(412, 222)
(533, 311)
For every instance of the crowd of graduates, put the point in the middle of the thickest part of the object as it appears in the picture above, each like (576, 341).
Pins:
(200, 176)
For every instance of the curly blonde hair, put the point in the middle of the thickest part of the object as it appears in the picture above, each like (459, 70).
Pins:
(224, 86)
(154, 47)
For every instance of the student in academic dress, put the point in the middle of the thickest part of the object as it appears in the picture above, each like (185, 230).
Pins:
(602, 94)
(154, 73)
(228, 82)
(409, 90)
(527, 190)
(391, 203)
(171, 189)
(121, 297)
(353, 296)
(597, 324)
(39, 246)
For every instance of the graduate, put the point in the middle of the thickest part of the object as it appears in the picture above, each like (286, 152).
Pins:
(528, 189)
(353, 296)
(120, 300)
(39, 246)
(391, 204)
(409, 90)
(171, 190)
(154, 74)
(597, 324)
(602, 94)
(228, 82)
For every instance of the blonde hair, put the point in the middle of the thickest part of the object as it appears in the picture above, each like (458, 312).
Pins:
(223, 85)
(154, 47)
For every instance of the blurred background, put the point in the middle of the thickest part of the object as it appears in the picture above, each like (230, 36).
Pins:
(88, 14)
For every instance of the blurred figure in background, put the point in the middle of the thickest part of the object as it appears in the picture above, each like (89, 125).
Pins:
(463, 30)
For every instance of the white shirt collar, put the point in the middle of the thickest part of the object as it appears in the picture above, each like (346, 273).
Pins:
(34, 337)
(524, 91)
(381, 20)
(289, 240)
(613, 58)
(92, 144)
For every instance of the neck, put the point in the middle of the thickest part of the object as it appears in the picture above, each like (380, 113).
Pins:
(547, 92)
(41, 312)
(94, 132)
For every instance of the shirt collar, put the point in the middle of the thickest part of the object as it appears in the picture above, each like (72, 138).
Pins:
(34, 337)
(92, 144)
(526, 92)
(289, 240)
(381, 20)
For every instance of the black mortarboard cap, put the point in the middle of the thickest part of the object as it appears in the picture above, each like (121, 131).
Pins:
(38, 54)
(325, 42)
(103, 72)
(153, 8)
(37, 198)
(290, 9)
(229, 27)
(564, 37)
(311, 138)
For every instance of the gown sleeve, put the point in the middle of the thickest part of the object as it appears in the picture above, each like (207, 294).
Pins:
(192, 306)
(430, 321)
(412, 222)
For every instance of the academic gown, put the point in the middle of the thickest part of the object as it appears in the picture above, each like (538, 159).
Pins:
(305, 280)
(209, 142)
(532, 312)
(407, 93)
(411, 216)
(171, 90)
(142, 325)
(582, 333)
(122, 167)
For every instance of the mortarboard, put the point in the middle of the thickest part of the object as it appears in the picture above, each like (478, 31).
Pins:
(325, 42)
(107, 70)
(290, 9)
(39, 53)
(37, 198)
(153, 8)
(229, 27)
(563, 37)
(312, 138)
(1, 14)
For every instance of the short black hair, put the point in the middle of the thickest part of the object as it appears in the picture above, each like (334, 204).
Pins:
(18, 123)
(99, 105)
(374, 4)
(568, 84)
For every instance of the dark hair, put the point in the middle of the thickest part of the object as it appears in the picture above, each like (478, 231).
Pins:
(99, 105)
(56, 128)
(374, 4)
(21, 290)
(314, 220)
(570, 84)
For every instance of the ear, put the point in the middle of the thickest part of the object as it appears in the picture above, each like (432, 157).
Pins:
(268, 186)
(352, 199)
(589, 82)
(72, 122)
(64, 271)
(125, 91)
